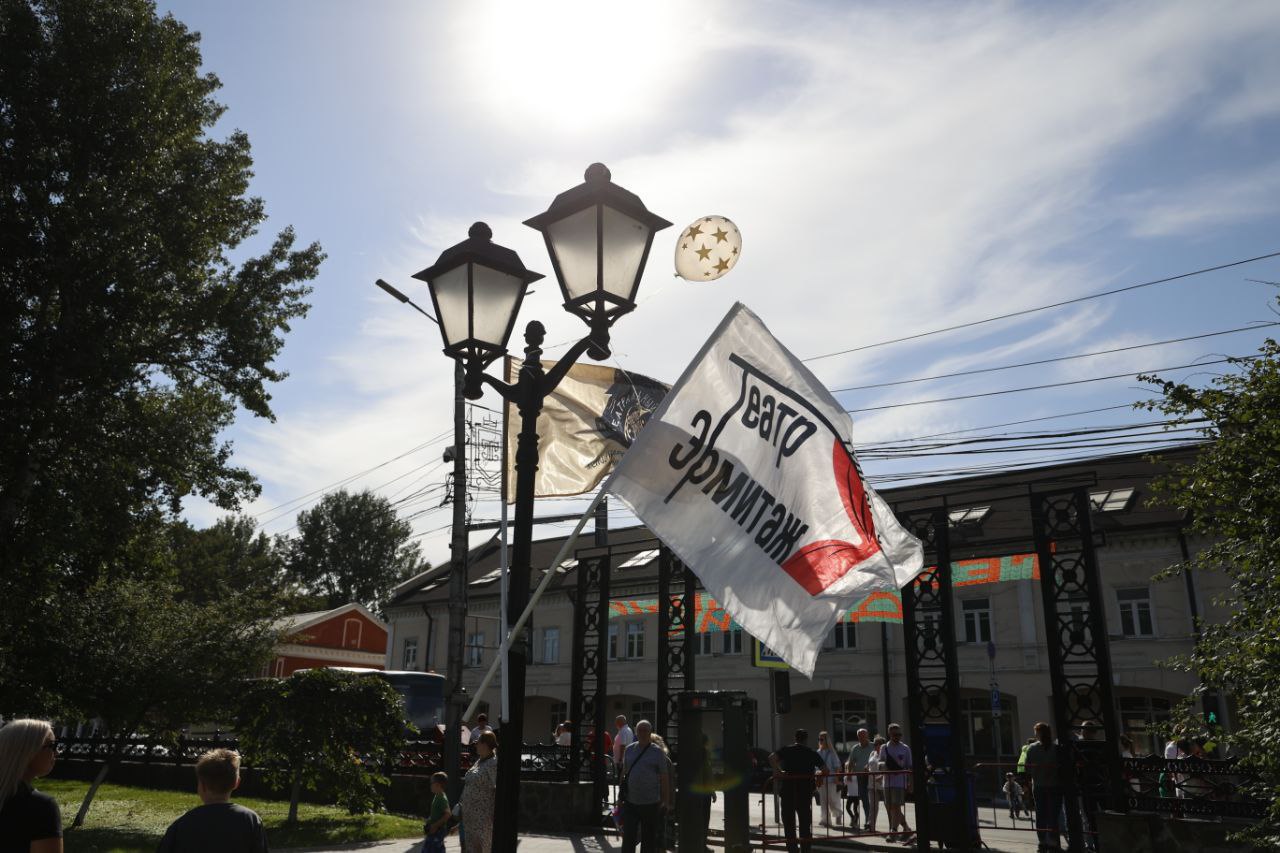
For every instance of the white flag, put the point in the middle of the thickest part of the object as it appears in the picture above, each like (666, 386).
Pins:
(744, 472)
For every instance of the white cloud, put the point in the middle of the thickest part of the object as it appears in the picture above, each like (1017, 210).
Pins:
(897, 171)
(1205, 204)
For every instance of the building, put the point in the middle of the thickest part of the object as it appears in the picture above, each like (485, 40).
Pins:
(860, 678)
(344, 636)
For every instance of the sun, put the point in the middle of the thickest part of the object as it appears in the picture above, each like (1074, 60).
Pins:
(566, 65)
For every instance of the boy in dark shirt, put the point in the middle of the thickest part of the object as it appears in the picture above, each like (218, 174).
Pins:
(219, 825)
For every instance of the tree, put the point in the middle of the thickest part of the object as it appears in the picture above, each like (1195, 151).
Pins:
(136, 656)
(1232, 492)
(129, 336)
(353, 548)
(232, 556)
(323, 730)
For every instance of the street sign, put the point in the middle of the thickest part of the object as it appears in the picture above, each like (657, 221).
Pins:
(763, 656)
(995, 702)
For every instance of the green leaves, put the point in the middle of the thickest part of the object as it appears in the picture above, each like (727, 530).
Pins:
(328, 731)
(1232, 493)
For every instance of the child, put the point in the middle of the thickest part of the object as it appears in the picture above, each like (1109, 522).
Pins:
(219, 824)
(1013, 793)
(437, 825)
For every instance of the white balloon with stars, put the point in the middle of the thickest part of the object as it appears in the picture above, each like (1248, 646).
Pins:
(708, 249)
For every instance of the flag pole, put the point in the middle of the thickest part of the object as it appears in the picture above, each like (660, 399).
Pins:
(533, 600)
(504, 712)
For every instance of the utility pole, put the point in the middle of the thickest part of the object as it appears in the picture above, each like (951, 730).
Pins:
(457, 590)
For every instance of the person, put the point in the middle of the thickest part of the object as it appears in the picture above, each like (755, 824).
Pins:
(481, 726)
(875, 782)
(476, 802)
(827, 784)
(646, 790)
(1043, 765)
(30, 821)
(793, 769)
(558, 735)
(436, 828)
(621, 740)
(1028, 800)
(895, 758)
(565, 737)
(857, 791)
(1013, 793)
(217, 825)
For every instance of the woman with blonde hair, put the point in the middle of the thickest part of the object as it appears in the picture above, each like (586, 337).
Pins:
(29, 820)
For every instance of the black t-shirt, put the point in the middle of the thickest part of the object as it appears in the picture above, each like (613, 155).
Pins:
(28, 816)
(216, 828)
(802, 760)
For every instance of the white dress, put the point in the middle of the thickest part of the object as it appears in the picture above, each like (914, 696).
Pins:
(828, 796)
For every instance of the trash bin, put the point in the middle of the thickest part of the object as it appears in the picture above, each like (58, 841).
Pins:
(945, 825)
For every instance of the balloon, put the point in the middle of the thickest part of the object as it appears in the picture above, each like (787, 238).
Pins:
(708, 249)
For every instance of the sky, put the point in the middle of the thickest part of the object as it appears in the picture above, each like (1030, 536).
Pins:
(893, 169)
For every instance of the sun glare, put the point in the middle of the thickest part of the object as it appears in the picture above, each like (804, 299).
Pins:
(567, 65)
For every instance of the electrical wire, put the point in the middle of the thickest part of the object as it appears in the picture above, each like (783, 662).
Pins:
(1054, 360)
(1231, 360)
(1027, 311)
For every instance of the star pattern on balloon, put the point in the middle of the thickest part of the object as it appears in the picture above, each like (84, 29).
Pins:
(707, 249)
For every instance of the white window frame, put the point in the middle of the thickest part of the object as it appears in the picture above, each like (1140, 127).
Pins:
(969, 608)
(635, 640)
(704, 643)
(615, 637)
(1130, 605)
(844, 635)
(346, 625)
(731, 641)
(550, 651)
(407, 661)
(475, 649)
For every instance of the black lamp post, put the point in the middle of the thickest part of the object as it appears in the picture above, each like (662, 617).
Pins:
(599, 236)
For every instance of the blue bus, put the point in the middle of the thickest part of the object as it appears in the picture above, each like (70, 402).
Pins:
(421, 692)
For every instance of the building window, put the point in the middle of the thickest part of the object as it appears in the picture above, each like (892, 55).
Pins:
(642, 710)
(703, 643)
(977, 620)
(635, 640)
(985, 734)
(475, 649)
(1137, 715)
(409, 658)
(279, 667)
(844, 635)
(930, 622)
(731, 641)
(972, 516)
(352, 629)
(1135, 612)
(847, 716)
(559, 710)
(613, 641)
(550, 645)
(1112, 500)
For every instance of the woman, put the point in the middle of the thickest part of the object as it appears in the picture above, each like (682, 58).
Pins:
(477, 796)
(828, 797)
(876, 780)
(29, 820)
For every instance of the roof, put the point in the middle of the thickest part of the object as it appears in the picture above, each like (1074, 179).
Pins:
(298, 622)
(1004, 529)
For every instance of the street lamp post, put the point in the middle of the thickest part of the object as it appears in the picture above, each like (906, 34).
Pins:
(598, 235)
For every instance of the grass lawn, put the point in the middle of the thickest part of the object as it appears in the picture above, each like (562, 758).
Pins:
(134, 819)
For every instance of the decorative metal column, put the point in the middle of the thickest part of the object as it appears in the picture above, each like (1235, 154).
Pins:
(590, 670)
(933, 679)
(677, 614)
(1079, 654)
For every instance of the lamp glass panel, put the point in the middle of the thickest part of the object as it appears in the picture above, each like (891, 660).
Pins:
(624, 242)
(573, 240)
(450, 292)
(495, 296)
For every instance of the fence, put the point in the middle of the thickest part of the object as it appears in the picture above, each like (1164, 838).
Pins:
(417, 758)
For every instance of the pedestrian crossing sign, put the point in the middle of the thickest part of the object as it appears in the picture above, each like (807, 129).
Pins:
(765, 657)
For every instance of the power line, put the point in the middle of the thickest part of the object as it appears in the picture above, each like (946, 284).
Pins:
(1053, 360)
(1027, 311)
(1062, 416)
(1048, 385)
(1146, 428)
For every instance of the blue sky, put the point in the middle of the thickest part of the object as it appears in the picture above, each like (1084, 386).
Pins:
(893, 168)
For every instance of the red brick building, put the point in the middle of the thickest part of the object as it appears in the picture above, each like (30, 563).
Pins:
(345, 636)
